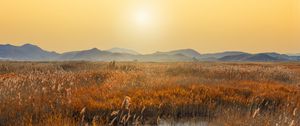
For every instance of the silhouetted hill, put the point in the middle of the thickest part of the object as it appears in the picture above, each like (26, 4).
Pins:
(186, 52)
(122, 50)
(240, 57)
(260, 57)
(216, 56)
(25, 52)
(30, 52)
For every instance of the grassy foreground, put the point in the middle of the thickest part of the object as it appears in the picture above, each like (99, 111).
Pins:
(95, 93)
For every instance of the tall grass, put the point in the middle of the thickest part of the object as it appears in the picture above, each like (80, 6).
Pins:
(80, 93)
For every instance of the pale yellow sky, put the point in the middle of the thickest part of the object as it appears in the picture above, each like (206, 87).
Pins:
(150, 25)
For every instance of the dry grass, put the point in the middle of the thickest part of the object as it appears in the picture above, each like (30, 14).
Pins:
(75, 93)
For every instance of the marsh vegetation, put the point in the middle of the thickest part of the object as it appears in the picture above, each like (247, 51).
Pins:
(133, 93)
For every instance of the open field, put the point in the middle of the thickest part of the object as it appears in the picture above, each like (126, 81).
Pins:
(133, 93)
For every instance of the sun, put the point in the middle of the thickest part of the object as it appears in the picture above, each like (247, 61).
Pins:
(143, 17)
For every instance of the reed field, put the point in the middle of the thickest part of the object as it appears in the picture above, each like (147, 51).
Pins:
(136, 93)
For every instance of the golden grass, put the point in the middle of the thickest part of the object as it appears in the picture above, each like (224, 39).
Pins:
(138, 93)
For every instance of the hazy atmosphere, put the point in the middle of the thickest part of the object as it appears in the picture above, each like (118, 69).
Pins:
(150, 63)
(151, 25)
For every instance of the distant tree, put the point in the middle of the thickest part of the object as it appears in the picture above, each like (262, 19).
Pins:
(112, 64)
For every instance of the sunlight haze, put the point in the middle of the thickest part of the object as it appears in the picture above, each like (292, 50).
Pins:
(153, 25)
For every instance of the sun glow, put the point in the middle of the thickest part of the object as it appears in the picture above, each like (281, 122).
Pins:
(143, 17)
(150, 25)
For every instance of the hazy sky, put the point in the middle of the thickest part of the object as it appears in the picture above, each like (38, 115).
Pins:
(150, 25)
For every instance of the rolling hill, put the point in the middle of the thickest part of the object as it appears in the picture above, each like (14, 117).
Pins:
(186, 52)
(25, 52)
(122, 50)
(260, 57)
(29, 52)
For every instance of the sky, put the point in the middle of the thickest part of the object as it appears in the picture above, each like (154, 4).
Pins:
(153, 25)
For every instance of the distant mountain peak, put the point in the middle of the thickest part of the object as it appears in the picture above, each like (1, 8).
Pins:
(27, 44)
(186, 52)
(95, 49)
(90, 51)
(6, 45)
(30, 46)
(25, 52)
(123, 50)
(30, 52)
(187, 49)
(260, 57)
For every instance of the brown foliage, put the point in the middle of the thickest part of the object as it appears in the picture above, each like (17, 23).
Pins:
(137, 93)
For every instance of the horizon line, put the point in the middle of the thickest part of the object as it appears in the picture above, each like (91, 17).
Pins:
(20, 45)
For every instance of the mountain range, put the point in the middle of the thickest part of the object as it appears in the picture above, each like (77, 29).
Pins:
(29, 52)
